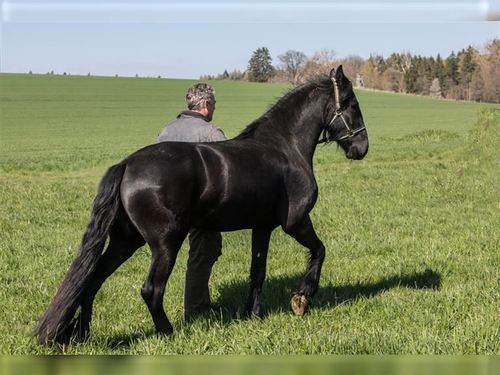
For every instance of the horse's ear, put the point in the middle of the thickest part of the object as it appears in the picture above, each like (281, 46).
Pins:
(332, 73)
(339, 74)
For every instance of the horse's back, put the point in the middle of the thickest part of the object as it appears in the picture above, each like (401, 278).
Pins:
(241, 186)
(222, 186)
(154, 166)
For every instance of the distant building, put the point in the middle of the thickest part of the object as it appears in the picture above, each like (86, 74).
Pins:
(359, 81)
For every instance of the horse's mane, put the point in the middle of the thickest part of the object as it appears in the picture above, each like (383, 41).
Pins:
(286, 104)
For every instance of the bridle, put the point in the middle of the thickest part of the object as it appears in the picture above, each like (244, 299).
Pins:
(338, 114)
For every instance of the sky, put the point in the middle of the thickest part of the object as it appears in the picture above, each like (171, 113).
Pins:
(187, 39)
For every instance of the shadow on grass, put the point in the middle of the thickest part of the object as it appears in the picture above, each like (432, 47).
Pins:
(125, 340)
(278, 291)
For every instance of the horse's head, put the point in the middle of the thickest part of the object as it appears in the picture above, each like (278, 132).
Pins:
(345, 121)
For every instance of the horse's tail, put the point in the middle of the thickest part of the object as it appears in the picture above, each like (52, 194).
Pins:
(56, 320)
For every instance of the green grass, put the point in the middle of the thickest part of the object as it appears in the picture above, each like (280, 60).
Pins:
(411, 231)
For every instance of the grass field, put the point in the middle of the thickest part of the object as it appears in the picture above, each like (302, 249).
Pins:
(411, 231)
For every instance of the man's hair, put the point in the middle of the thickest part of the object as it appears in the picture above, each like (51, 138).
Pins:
(197, 94)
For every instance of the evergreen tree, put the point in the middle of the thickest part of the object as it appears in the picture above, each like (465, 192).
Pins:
(440, 72)
(380, 63)
(467, 65)
(411, 77)
(260, 68)
(424, 79)
(430, 62)
(452, 68)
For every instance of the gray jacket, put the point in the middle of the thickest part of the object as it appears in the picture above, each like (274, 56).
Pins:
(191, 127)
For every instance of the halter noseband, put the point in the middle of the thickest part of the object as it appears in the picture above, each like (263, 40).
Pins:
(338, 113)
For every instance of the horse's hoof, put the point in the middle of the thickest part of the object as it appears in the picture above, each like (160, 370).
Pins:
(299, 304)
(257, 313)
(165, 331)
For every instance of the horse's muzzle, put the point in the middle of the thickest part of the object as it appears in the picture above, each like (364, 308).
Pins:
(358, 150)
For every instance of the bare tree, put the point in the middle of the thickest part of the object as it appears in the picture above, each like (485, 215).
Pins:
(435, 90)
(320, 63)
(292, 62)
(398, 66)
(491, 71)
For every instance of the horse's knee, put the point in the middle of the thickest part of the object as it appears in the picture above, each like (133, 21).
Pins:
(290, 226)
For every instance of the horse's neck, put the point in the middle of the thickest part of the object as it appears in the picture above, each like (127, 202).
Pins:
(306, 131)
(295, 125)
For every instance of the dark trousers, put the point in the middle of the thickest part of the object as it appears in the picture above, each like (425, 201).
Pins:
(204, 249)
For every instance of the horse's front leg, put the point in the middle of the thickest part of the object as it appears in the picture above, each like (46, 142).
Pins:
(304, 233)
(260, 246)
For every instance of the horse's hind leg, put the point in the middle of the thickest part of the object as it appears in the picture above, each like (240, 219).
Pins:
(304, 233)
(120, 249)
(164, 253)
(164, 229)
(260, 246)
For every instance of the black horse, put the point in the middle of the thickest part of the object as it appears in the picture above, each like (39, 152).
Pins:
(261, 179)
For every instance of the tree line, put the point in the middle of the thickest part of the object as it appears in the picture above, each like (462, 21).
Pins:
(469, 74)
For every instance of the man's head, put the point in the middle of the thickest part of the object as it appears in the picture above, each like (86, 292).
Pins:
(201, 98)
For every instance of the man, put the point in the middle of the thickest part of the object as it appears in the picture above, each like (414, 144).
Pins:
(194, 125)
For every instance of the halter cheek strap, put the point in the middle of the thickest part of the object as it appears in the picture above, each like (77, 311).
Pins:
(337, 96)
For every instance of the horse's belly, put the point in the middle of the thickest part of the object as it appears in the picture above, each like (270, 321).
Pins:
(239, 215)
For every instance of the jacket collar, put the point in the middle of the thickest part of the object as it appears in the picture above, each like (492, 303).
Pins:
(192, 114)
